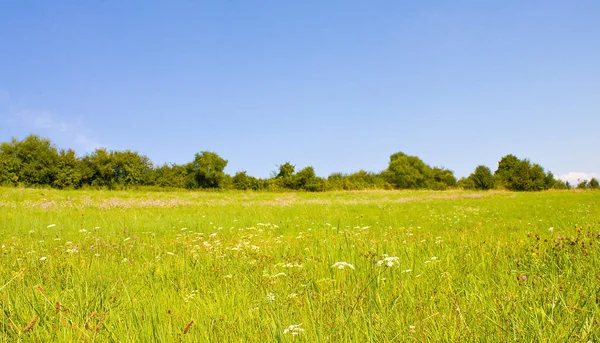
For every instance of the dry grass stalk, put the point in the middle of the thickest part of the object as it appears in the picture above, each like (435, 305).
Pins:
(187, 327)
(31, 324)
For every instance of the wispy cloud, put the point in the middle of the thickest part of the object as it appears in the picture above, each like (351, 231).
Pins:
(71, 133)
(576, 177)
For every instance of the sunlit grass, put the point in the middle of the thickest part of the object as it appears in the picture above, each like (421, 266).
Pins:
(382, 266)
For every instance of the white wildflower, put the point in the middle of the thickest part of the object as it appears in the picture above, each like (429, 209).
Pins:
(270, 297)
(43, 258)
(190, 296)
(289, 265)
(277, 275)
(294, 329)
(389, 261)
(342, 265)
(551, 229)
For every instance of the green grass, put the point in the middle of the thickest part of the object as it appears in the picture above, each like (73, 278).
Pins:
(100, 266)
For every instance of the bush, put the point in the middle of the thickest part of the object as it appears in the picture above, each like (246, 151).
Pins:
(522, 175)
(407, 171)
(207, 170)
(482, 178)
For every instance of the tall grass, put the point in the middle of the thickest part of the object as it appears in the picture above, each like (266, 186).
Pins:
(381, 266)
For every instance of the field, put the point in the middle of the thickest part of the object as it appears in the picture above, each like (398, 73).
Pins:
(380, 266)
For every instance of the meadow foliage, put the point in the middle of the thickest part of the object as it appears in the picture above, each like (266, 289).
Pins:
(381, 266)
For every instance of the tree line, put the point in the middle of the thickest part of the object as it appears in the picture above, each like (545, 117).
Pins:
(36, 162)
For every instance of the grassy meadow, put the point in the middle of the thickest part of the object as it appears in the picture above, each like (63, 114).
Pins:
(372, 266)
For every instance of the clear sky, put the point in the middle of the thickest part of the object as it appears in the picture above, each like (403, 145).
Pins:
(339, 85)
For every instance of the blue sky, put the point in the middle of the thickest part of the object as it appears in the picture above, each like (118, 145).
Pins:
(339, 85)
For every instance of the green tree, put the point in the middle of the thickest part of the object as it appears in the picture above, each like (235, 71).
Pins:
(172, 176)
(286, 170)
(551, 182)
(465, 183)
(407, 171)
(533, 175)
(101, 166)
(243, 181)
(307, 180)
(10, 163)
(32, 161)
(441, 178)
(588, 184)
(522, 175)
(560, 184)
(482, 178)
(131, 168)
(335, 181)
(527, 177)
(583, 184)
(358, 180)
(506, 169)
(207, 170)
(70, 170)
(363, 179)
(285, 176)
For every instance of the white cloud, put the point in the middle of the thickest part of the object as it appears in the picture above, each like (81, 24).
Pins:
(43, 120)
(70, 133)
(575, 177)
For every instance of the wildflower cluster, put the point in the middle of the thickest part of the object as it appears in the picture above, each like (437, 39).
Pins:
(342, 265)
(293, 329)
(389, 261)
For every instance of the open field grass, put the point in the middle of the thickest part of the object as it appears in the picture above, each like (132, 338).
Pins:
(381, 266)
